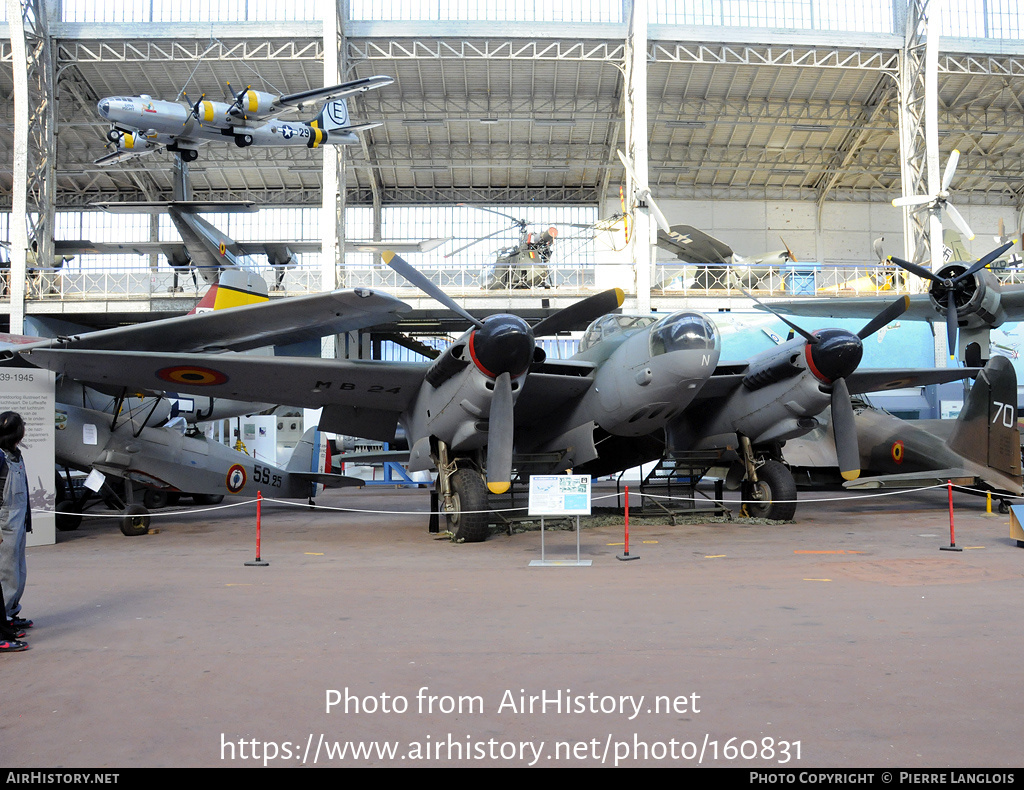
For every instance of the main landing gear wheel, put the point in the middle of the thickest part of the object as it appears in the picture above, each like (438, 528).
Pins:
(469, 497)
(68, 517)
(773, 496)
(113, 135)
(154, 498)
(243, 140)
(189, 155)
(207, 499)
(135, 521)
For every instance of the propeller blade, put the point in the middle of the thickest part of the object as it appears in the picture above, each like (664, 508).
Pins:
(981, 263)
(658, 215)
(417, 278)
(581, 313)
(500, 429)
(879, 251)
(951, 322)
(844, 431)
(890, 313)
(643, 194)
(947, 176)
(789, 252)
(802, 332)
(630, 171)
(959, 221)
(913, 268)
(913, 200)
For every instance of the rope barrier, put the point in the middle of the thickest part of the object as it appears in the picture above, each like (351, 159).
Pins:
(366, 511)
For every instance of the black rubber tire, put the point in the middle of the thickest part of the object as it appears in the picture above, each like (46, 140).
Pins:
(135, 521)
(774, 482)
(189, 155)
(154, 498)
(207, 499)
(113, 135)
(469, 493)
(67, 518)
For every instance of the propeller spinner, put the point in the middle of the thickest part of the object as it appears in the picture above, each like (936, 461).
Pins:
(952, 291)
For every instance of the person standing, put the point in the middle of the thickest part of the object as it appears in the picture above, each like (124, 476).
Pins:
(15, 517)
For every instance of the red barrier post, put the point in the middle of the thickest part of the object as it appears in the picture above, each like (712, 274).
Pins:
(625, 554)
(259, 511)
(952, 534)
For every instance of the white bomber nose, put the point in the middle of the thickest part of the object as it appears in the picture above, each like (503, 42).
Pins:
(103, 107)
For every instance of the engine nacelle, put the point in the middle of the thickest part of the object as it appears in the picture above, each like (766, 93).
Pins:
(212, 111)
(133, 141)
(978, 302)
(256, 102)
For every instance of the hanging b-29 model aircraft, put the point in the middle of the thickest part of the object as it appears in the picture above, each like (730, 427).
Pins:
(491, 402)
(141, 124)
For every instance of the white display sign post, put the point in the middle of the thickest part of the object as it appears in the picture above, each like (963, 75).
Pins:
(29, 392)
(559, 495)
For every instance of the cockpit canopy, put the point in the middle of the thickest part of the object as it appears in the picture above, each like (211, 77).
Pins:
(608, 325)
(683, 331)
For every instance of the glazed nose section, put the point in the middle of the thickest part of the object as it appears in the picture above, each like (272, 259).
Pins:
(836, 354)
(504, 344)
(104, 108)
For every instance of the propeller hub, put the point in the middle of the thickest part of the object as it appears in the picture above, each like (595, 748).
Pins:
(836, 354)
(504, 344)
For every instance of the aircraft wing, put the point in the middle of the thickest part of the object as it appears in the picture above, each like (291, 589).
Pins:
(693, 245)
(383, 387)
(187, 206)
(84, 246)
(278, 322)
(334, 91)
(121, 156)
(920, 307)
(914, 479)
(550, 386)
(881, 379)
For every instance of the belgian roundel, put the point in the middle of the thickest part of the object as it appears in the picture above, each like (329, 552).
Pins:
(235, 480)
(191, 374)
(897, 451)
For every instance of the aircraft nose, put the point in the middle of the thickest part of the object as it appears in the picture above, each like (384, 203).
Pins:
(836, 354)
(103, 107)
(504, 344)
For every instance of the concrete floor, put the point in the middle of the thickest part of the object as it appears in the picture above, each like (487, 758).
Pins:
(846, 639)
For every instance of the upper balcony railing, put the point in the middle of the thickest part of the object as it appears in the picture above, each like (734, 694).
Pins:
(668, 280)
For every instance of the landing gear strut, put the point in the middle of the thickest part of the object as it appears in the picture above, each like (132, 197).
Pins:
(768, 490)
(463, 497)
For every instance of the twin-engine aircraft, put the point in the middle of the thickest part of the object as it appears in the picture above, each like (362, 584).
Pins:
(492, 405)
(141, 124)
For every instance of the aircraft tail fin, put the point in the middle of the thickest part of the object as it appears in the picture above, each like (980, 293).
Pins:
(954, 247)
(311, 454)
(234, 288)
(311, 461)
(986, 431)
(333, 115)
